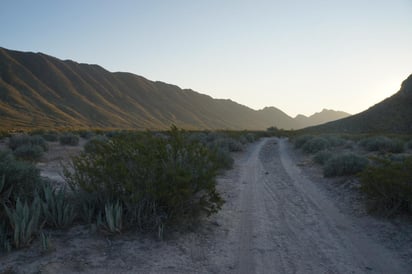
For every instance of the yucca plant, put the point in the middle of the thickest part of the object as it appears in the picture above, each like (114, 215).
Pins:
(25, 221)
(58, 211)
(111, 222)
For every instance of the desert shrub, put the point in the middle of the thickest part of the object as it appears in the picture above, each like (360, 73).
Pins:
(301, 140)
(220, 144)
(95, 141)
(29, 152)
(86, 134)
(335, 140)
(37, 140)
(156, 180)
(389, 186)
(222, 157)
(246, 138)
(322, 157)
(69, 139)
(396, 146)
(382, 144)
(21, 179)
(20, 140)
(344, 164)
(20, 218)
(113, 133)
(315, 144)
(50, 136)
(228, 144)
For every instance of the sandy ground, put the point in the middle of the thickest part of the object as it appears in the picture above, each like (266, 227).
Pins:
(280, 216)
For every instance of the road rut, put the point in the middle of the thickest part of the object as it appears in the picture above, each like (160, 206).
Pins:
(287, 225)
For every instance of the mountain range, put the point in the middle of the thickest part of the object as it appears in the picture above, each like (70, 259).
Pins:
(392, 115)
(38, 90)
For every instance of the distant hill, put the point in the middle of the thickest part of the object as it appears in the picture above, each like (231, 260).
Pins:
(37, 90)
(326, 115)
(392, 115)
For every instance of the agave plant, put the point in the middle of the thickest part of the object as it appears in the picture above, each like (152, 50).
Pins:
(58, 211)
(25, 221)
(112, 220)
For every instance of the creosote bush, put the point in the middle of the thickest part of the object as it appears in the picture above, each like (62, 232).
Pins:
(90, 146)
(29, 152)
(69, 139)
(299, 141)
(382, 144)
(322, 157)
(51, 136)
(344, 164)
(315, 144)
(28, 147)
(156, 180)
(23, 140)
(388, 186)
(21, 179)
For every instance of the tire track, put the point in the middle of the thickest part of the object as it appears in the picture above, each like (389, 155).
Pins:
(288, 225)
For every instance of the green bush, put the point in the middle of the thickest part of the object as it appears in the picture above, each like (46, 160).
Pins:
(21, 179)
(69, 139)
(29, 152)
(18, 140)
(246, 138)
(227, 144)
(37, 140)
(335, 140)
(220, 144)
(344, 164)
(389, 186)
(50, 136)
(158, 180)
(322, 157)
(95, 141)
(315, 144)
(301, 140)
(409, 144)
(382, 144)
(27, 141)
(86, 134)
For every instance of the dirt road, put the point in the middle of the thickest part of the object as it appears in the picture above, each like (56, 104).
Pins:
(275, 220)
(289, 226)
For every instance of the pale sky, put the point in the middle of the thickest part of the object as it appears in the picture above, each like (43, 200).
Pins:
(299, 56)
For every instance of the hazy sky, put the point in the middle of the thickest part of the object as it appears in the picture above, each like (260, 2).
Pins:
(300, 56)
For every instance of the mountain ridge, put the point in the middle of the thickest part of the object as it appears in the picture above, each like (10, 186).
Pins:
(392, 115)
(38, 90)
